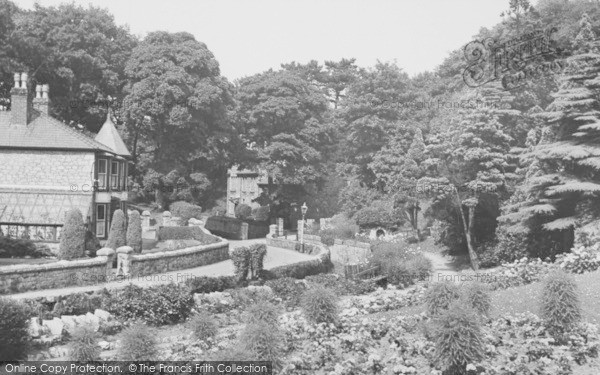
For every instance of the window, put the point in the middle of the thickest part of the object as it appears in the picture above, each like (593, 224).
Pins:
(123, 176)
(102, 174)
(114, 175)
(100, 220)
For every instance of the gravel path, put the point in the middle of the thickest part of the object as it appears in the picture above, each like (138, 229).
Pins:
(443, 270)
(275, 257)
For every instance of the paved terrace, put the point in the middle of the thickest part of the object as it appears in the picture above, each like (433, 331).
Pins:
(275, 257)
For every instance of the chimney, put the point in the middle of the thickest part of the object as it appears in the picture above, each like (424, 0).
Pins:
(41, 102)
(19, 106)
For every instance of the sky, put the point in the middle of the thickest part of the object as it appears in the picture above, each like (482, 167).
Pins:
(251, 36)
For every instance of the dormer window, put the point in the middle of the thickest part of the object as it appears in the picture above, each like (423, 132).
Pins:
(102, 173)
(114, 175)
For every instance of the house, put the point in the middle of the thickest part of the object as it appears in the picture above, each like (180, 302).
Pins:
(48, 168)
(243, 188)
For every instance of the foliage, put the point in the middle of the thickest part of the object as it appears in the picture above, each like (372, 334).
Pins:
(156, 305)
(243, 211)
(403, 265)
(72, 238)
(560, 306)
(203, 326)
(84, 345)
(477, 296)
(261, 213)
(379, 214)
(264, 312)
(520, 272)
(18, 247)
(14, 317)
(265, 341)
(458, 339)
(289, 289)
(338, 227)
(185, 211)
(240, 256)
(208, 284)
(580, 260)
(76, 304)
(185, 233)
(320, 305)
(342, 286)
(116, 236)
(257, 253)
(138, 343)
(302, 269)
(134, 232)
(440, 296)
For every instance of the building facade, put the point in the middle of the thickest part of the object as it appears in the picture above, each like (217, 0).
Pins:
(243, 187)
(48, 168)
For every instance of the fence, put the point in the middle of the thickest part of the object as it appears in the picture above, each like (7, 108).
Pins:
(34, 232)
(361, 271)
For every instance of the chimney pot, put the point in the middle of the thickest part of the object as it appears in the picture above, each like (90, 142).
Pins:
(45, 90)
(24, 77)
(38, 91)
(17, 80)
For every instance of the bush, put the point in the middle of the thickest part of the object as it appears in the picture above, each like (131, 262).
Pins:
(458, 339)
(477, 296)
(302, 269)
(18, 247)
(138, 343)
(261, 213)
(76, 304)
(290, 290)
(265, 341)
(240, 256)
(14, 317)
(116, 235)
(342, 286)
(440, 296)
(262, 312)
(243, 211)
(560, 309)
(185, 233)
(185, 211)
(257, 254)
(379, 214)
(84, 345)
(219, 211)
(320, 305)
(206, 284)
(134, 232)
(339, 227)
(401, 264)
(580, 260)
(156, 305)
(72, 237)
(203, 326)
(92, 243)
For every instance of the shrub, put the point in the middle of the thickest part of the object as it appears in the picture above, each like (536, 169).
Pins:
(76, 304)
(262, 312)
(134, 232)
(243, 211)
(14, 317)
(458, 339)
(261, 213)
(203, 326)
(84, 345)
(234, 353)
(302, 269)
(342, 286)
(379, 214)
(265, 341)
(185, 233)
(116, 235)
(185, 211)
(440, 296)
(580, 260)
(218, 211)
(560, 309)
(72, 236)
(206, 284)
(240, 256)
(320, 305)
(156, 305)
(477, 296)
(288, 289)
(92, 243)
(138, 343)
(18, 247)
(257, 254)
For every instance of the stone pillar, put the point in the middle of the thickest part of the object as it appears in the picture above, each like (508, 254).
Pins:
(244, 231)
(166, 219)
(145, 220)
(301, 231)
(272, 231)
(124, 260)
(280, 226)
(110, 255)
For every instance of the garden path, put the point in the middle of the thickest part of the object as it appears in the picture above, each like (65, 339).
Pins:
(443, 268)
(275, 257)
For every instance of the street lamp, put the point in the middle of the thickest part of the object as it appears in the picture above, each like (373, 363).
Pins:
(304, 208)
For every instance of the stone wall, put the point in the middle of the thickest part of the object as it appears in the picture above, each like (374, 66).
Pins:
(154, 263)
(46, 169)
(309, 248)
(25, 277)
(321, 264)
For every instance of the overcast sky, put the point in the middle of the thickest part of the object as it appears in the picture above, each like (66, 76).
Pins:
(251, 36)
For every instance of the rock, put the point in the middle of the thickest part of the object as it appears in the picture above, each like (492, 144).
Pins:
(102, 315)
(56, 326)
(57, 352)
(70, 322)
(104, 345)
(92, 321)
(35, 329)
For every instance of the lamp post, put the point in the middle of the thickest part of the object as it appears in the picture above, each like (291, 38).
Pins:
(304, 208)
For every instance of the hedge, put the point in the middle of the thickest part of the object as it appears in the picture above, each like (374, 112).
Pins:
(185, 211)
(185, 233)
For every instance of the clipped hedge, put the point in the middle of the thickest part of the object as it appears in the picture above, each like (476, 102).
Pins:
(230, 227)
(243, 211)
(185, 211)
(116, 236)
(134, 232)
(208, 284)
(72, 238)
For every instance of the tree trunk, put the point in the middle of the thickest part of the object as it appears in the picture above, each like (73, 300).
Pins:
(468, 234)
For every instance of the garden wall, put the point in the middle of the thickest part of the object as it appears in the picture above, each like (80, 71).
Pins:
(350, 252)
(173, 260)
(300, 270)
(236, 229)
(25, 277)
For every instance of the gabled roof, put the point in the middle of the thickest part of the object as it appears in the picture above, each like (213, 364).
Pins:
(109, 136)
(44, 132)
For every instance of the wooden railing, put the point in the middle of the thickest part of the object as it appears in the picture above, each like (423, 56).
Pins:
(34, 232)
(361, 271)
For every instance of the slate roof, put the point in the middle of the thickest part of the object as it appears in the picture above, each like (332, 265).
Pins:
(109, 136)
(45, 132)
